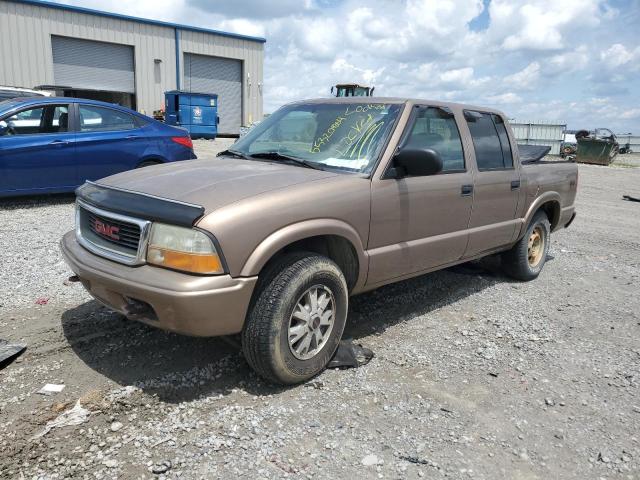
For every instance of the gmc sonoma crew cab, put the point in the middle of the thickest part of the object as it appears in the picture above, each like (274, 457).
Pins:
(322, 200)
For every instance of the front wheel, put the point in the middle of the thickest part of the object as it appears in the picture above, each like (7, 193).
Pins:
(527, 257)
(296, 321)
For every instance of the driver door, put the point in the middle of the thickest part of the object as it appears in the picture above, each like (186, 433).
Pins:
(37, 150)
(419, 223)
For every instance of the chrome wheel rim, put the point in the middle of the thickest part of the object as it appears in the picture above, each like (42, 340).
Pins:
(535, 247)
(311, 322)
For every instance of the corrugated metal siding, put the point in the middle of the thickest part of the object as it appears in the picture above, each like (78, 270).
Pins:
(251, 54)
(86, 64)
(28, 64)
(542, 132)
(634, 141)
(217, 75)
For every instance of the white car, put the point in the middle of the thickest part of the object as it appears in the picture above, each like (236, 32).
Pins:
(7, 93)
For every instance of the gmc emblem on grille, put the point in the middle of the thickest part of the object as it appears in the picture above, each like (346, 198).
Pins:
(107, 230)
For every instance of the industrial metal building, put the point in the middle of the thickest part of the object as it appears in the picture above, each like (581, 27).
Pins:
(132, 61)
(548, 133)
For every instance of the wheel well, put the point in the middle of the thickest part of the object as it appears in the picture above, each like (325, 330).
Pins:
(335, 247)
(150, 161)
(552, 210)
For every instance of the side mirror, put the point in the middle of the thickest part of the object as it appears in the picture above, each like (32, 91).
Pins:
(4, 128)
(416, 162)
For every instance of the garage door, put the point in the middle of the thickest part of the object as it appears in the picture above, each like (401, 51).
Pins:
(223, 76)
(88, 65)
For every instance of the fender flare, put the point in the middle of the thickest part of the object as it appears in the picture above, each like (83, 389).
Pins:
(294, 232)
(535, 206)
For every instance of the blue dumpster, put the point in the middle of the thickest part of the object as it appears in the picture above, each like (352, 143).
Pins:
(197, 112)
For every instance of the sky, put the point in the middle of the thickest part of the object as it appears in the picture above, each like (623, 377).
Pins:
(574, 61)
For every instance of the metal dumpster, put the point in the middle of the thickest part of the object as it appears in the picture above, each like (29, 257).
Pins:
(197, 112)
(598, 147)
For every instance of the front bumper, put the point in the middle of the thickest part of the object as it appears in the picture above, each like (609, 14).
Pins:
(201, 306)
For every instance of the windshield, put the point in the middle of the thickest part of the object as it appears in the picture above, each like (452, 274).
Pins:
(341, 136)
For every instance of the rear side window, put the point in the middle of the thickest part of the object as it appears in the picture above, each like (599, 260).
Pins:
(437, 130)
(99, 119)
(504, 140)
(490, 141)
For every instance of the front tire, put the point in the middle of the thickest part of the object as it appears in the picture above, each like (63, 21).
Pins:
(296, 321)
(527, 257)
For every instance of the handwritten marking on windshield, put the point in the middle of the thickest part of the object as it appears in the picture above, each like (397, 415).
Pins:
(359, 130)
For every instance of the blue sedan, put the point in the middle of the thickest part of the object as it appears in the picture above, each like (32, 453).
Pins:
(54, 144)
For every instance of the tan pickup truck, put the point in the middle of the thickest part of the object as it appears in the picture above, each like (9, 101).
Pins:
(322, 200)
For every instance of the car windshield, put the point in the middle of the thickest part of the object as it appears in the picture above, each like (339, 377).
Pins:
(341, 136)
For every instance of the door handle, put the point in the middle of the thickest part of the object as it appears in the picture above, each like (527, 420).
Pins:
(59, 142)
(466, 190)
(132, 137)
(515, 184)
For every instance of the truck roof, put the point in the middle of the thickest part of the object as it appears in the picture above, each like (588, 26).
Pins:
(400, 100)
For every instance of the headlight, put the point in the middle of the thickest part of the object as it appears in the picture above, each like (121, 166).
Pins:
(182, 249)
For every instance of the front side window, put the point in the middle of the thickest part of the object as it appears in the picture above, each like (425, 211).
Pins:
(36, 120)
(490, 141)
(100, 119)
(343, 136)
(436, 129)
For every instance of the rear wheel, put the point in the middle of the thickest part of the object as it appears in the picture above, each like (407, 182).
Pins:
(296, 321)
(148, 163)
(527, 257)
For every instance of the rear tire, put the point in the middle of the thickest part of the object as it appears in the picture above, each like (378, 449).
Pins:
(527, 257)
(148, 163)
(297, 318)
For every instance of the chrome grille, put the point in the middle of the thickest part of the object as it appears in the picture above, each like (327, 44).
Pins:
(122, 234)
(111, 235)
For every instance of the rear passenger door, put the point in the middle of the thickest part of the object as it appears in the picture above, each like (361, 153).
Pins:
(496, 184)
(108, 141)
(420, 222)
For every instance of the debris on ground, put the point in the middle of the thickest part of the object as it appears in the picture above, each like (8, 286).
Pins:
(42, 301)
(370, 460)
(51, 389)
(76, 416)
(162, 467)
(10, 351)
(350, 355)
(630, 198)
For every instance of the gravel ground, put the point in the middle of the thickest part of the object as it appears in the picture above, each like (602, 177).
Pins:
(475, 376)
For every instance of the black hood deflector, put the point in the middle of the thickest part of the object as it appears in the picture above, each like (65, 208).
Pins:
(140, 205)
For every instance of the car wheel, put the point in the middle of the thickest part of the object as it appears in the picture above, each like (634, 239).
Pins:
(148, 163)
(527, 257)
(296, 319)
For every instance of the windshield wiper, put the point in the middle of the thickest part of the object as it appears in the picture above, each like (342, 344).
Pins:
(286, 158)
(233, 153)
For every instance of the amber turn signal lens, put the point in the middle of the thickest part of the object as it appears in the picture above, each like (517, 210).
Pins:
(189, 262)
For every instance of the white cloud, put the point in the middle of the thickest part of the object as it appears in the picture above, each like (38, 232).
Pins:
(243, 26)
(569, 61)
(525, 78)
(618, 55)
(540, 24)
(508, 98)
(632, 113)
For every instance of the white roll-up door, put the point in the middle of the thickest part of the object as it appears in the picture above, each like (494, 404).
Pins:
(88, 65)
(205, 74)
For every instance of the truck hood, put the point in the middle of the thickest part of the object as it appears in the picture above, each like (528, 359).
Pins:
(213, 183)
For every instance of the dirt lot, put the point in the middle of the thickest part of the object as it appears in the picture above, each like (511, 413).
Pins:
(475, 375)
